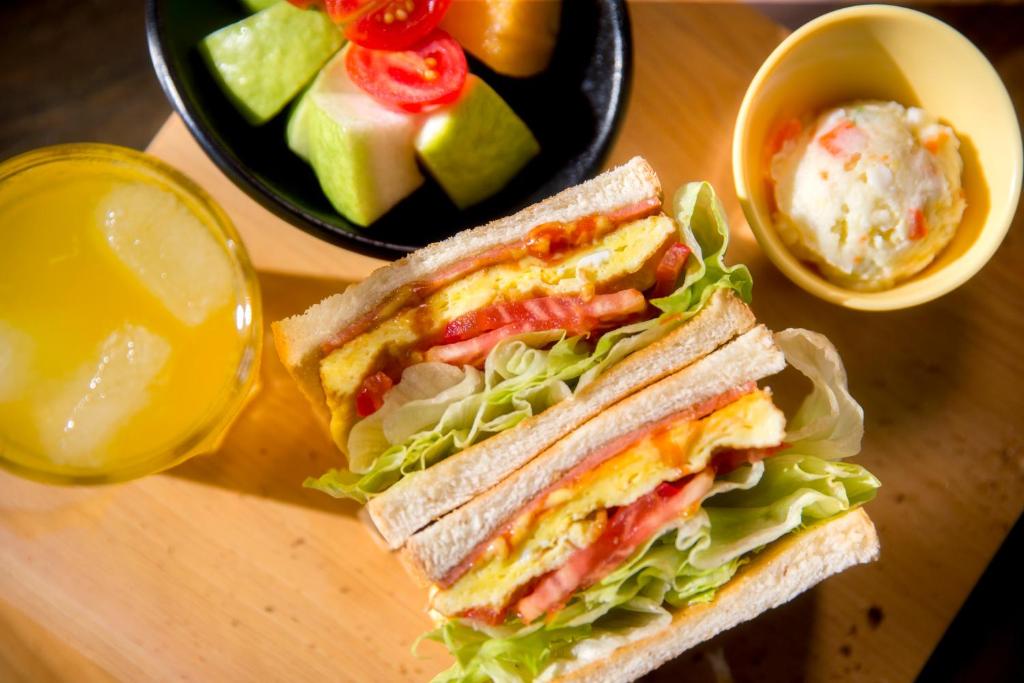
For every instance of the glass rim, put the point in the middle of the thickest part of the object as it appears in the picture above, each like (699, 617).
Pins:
(235, 394)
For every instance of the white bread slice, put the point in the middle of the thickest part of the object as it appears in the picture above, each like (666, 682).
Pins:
(439, 548)
(298, 338)
(778, 574)
(420, 498)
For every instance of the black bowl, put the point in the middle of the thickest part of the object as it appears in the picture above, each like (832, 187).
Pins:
(574, 108)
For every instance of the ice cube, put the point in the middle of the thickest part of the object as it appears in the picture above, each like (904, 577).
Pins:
(77, 422)
(174, 256)
(16, 350)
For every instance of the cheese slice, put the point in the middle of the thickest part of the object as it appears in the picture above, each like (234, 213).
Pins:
(573, 515)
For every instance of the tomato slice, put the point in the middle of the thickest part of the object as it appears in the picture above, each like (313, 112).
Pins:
(415, 292)
(495, 616)
(667, 273)
(727, 460)
(430, 73)
(627, 529)
(370, 396)
(469, 338)
(602, 454)
(572, 313)
(392, 24)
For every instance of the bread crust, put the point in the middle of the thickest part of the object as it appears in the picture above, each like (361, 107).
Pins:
(440, 547)
(420, 498)
(298, 339)
(785, 569)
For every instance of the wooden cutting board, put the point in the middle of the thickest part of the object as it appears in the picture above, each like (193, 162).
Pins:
(226, 569)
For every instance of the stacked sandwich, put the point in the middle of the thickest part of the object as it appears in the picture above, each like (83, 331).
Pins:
(556, 419)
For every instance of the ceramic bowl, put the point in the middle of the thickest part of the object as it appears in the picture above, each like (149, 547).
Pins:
(887, 53)
(574, 108)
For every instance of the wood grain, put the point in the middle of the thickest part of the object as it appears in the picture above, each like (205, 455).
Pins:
(226, 569)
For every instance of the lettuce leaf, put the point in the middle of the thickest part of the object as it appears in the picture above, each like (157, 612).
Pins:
(417, 402)
(705, 231)
(745, 510)
(520, 378)
(794, 491)
(829, 423)
(751, 507)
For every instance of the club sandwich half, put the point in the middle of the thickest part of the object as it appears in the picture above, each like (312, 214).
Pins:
(684, 509)
(449, 370)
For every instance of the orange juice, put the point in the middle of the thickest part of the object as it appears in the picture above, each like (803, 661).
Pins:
(129, 316)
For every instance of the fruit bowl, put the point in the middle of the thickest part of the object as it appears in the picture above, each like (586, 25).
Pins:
(574, 108)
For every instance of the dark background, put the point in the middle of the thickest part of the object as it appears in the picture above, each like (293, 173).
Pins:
(79, 70)
(76, 71)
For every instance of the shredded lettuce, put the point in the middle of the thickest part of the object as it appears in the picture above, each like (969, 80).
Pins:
(456, 408)
(745, 510)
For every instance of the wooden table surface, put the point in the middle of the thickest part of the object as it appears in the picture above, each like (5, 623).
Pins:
(226, 569)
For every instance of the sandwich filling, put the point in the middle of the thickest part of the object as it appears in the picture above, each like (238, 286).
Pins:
(623, 262)
(558, 541)
(652, 522)
(506, 334)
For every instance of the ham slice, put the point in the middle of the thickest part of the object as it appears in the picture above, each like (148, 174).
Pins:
(370, 396)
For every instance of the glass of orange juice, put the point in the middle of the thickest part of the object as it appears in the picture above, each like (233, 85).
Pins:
(130, 320)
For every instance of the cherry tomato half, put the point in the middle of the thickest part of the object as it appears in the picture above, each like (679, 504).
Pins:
(344, 11)
(341, 11)
(393, 24)
(430, 73)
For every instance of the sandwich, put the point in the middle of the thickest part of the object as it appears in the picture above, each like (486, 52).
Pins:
(684, 509)
(442, 374)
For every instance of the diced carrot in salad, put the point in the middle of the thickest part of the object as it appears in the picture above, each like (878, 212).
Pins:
(918, 226)
(840, 138)
(789, 129)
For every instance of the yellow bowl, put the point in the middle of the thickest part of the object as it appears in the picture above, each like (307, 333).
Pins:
(887, 53)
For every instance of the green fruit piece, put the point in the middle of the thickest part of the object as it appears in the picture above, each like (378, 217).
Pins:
(362, 154)
(475, 146)
(297, 131)
(257, 5)
(332, 79)
(264, 60)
